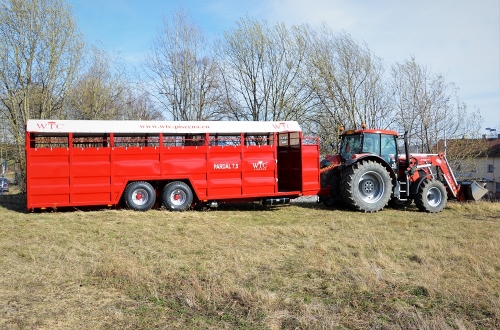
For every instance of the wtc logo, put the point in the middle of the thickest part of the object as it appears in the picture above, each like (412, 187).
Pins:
(260, 166)
(281, 126)
(50, 125)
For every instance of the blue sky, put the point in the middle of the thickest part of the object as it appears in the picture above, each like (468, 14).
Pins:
(458, 38)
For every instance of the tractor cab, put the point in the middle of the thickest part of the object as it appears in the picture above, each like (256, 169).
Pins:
(359, 143)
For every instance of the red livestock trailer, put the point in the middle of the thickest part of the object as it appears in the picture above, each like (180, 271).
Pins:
(72, 163)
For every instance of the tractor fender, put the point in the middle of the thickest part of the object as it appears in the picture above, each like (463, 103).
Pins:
(416, 184)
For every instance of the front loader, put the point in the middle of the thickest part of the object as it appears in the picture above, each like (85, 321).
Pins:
(368, 173)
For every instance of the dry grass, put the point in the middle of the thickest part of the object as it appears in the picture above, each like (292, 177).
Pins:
(249, 267)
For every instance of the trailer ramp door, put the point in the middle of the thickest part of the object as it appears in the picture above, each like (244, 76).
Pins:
(289, 162)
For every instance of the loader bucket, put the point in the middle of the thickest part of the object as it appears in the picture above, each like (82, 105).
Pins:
(473, 190)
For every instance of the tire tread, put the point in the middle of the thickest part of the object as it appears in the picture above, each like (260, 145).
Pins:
(348, 186)
(421, 196)
(134, 185)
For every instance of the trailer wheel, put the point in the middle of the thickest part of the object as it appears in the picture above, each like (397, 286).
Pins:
(139, 196)
(177, 196)
(431, 196)
(366, 186)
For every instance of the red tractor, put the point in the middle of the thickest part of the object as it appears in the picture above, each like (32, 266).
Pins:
(368, 173)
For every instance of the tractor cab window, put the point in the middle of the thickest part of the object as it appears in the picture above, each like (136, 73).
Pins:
(389, 150)
(350, 145)
(371, 143)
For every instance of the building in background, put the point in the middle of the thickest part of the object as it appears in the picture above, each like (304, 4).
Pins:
(492, 166)
(475, 160)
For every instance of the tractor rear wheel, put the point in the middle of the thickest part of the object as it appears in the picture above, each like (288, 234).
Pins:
(431, 196)
(366, 186)
(335, 199)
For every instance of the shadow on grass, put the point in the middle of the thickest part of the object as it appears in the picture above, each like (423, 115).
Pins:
(345, 207)
(242, 206)
(14, 202)
(17, 202)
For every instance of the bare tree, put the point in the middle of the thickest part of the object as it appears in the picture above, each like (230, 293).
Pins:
(98, 92)
(262, 70)
(289, 95)
(347, 82)
(138, 105)
(41, 50)
(428, 106)
(430, 109)
(182, 70)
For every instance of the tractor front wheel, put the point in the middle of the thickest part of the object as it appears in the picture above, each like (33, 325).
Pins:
(431, 196)
(366, 186)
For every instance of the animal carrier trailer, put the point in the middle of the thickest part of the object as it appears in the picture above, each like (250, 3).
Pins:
(147, 164)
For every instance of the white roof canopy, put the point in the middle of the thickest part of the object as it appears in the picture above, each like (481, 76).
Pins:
(185, 127)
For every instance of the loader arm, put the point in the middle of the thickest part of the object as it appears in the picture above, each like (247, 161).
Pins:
(451, 182)
(463, 191)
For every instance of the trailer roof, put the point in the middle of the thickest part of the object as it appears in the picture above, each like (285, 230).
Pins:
(186, 127)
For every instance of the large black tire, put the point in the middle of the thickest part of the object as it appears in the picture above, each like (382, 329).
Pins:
(335, 199)
(139, 196)
(431, 196)
(366, 186)
(325, 177)
(177, 196)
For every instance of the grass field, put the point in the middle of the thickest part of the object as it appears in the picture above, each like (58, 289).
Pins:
(249, 267)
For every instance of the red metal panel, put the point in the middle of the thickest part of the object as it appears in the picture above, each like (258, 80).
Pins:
(136, 162)
(28, 152)
(81, 181)
(91, 176)
(54, 199)
(224, 184)
(49, 177)
(310, 169)
(117, 188)
(224, 172)
(91, 163)
(187, 163)
(259, 170)
(256, 184)
(50, 185)
(133, 163)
